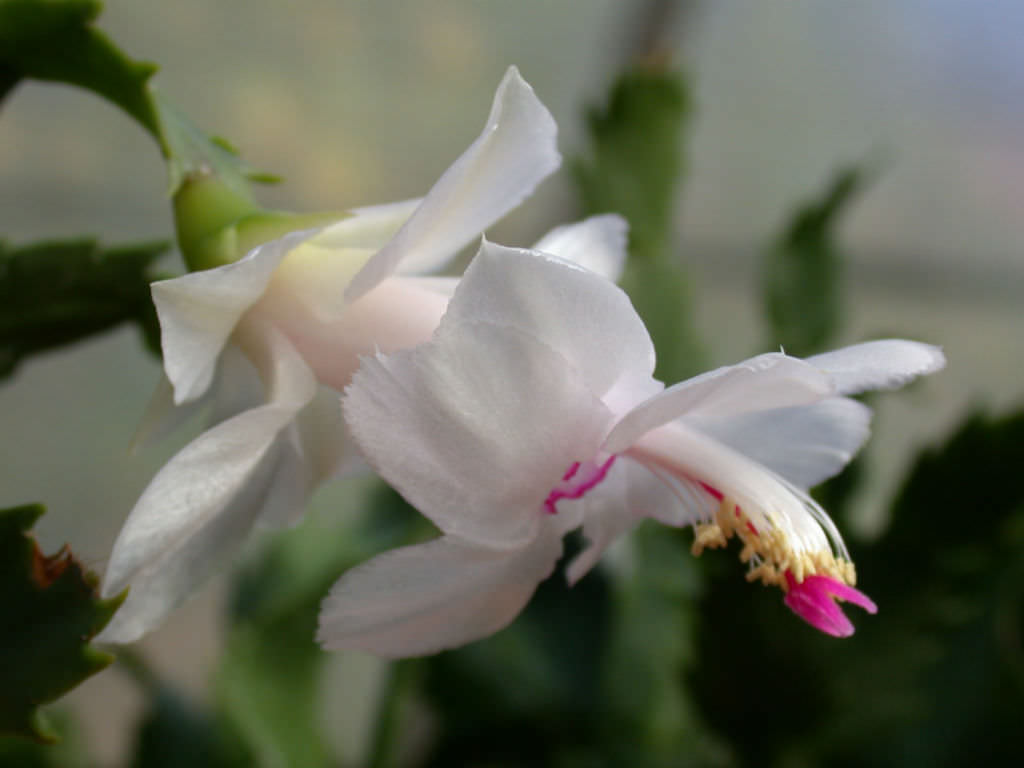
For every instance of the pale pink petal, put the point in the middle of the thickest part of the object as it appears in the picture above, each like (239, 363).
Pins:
(806, 444)
(475, 428)
(198, 312)
(369, 227)
(584, 317)
(429, 597)
(885, 364)
(197, 509)
(191, 518)
(598, 244)
(766, 381)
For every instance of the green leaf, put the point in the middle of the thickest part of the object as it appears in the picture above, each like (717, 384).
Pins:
(802, 281)
(55, 40)
(55, 293)
(192, 154)
(176, 732)
(633, 168)
(51, 609)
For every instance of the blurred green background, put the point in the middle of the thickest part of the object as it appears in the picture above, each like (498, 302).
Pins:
(355, 103)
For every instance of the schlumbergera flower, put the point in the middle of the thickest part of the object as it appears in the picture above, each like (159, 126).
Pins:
(270, 340)
(533, 410)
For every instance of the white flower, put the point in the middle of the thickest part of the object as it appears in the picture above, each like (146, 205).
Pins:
(270, 341)
(533, 410)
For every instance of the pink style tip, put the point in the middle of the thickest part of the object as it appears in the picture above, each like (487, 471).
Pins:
(814, 601)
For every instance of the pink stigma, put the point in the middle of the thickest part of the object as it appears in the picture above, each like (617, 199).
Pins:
(814, 601)
(586, 476)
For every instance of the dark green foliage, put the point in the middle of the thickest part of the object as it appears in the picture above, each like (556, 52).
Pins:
(50, 610)
(55, 40)
(937, 677)
(176, 732)
(803, 270)
(531, 694)
(633, 168)
(59, 292)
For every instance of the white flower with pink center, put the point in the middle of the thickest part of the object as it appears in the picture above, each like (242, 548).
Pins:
(533, 410)
(268, 342)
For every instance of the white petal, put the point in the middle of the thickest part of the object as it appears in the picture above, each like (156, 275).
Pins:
(885, 364)
(289, 483)
(317, 277)
(429, 597)
(287, 379)
(766, 381)
(506, 162)
(197, 509)
(399, 313)
(368, 227)
(584, 317)
(190, 518)
(804, 444)
(325, 443)
(236, 386)
(475, 428)
(598, 244)
(442, 286)
(199, 311)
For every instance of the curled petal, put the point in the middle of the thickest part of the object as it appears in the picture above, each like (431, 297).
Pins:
(192, 517)
(597, 244)
(369, 227)
(806, 444)
(767, 381)
(199, 311)
(885, 364)
(426, 598)
(515, 151)
(458, 428)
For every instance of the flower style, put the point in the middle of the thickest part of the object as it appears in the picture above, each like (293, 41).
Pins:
(269, 342)
(533, 410)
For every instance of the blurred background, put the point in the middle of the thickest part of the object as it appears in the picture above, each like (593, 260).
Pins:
(355, 103)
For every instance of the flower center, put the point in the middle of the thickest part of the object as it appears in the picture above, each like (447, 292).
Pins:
(577, 480)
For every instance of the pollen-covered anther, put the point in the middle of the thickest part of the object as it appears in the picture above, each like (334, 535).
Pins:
(708, 536)
(772, 556)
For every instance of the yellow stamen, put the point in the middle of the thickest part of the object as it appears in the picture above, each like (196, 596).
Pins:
(768, 549)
